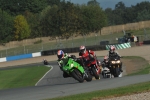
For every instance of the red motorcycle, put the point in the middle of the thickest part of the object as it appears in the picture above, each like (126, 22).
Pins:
(92, 66)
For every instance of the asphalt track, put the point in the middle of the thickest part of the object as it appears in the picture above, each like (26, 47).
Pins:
(54, 85)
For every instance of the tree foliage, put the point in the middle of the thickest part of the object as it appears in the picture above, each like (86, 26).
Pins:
(37, 18)
(93, 18)
(6, 27)
(21, 28)
(34, 23)
(16, 7)
(93, 2)
(122, 14)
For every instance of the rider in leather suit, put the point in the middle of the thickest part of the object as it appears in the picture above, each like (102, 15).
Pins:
(88, 53)
(105, 62)
(63, 58)
(113, 53)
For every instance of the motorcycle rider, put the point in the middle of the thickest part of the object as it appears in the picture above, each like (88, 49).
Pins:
(113, 53)
(45, 62)
(63, 58)
(88, 53)
(105, 62)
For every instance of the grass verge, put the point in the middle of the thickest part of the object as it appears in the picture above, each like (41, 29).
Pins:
(99, 95)
(145, 67)
(21, 77)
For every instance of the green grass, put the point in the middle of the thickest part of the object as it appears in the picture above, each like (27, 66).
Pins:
(126, 90)
(21, 77)
(145, 68)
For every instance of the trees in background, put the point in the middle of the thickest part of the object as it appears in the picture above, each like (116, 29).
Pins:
(38, 18)
(6, 27)
(21, 28)
(93, 2)
(122, 14)
(16, 7)
(93, 19)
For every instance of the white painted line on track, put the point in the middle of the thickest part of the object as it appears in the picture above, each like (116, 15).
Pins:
(44, 75)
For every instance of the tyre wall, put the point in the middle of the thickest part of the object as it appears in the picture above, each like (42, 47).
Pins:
(119, 46)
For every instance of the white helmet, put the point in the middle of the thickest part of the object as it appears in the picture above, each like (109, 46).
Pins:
(82, 49)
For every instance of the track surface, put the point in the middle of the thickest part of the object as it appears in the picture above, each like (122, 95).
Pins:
(56, 86)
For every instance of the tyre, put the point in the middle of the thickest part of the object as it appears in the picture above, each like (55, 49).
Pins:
(103, 74)
(65, 75)
(88, 77)
(116, 74)
(95, 73)
(77, 75)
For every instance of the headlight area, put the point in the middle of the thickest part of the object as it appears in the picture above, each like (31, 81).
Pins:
(118, 61)
(115, 62)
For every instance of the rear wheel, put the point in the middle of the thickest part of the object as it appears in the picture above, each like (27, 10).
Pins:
(76, 74)
(95, 73)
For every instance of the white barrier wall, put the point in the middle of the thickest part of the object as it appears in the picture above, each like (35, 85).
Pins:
(18, 57)
(3, 59)
(37, 54)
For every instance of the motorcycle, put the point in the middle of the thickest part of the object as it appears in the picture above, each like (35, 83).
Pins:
(45, 62)
(115, 65)
(75, 70)
(93, 68)
(106, 72)
(99, 64)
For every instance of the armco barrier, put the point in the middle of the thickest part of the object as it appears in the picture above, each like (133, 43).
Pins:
(19, 57)
(146, 42)
(119, 46)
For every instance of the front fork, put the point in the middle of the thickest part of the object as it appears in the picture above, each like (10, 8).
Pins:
(97, 69)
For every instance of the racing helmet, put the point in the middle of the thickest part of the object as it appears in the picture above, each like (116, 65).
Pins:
(112, 49)
(60, 54)
(106, 58)
(82, 49)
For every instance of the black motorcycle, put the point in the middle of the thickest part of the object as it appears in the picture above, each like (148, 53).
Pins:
(45, 62)
(115, 64)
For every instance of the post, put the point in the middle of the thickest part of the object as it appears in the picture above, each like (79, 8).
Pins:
(24, 49)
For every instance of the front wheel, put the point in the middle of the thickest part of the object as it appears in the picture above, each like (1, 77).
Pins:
(95, 73)
(116, 74)
(76, 74)
(88, 77)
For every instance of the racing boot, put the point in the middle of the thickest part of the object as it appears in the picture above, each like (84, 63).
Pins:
(121, 68)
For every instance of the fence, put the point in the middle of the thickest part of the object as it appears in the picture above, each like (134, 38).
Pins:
(26, 46)
(129, 26)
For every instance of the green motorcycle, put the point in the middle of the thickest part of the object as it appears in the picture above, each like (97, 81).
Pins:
(75, 70)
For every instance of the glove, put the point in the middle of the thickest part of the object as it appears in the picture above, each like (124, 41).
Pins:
(91, 56)
(73, 56)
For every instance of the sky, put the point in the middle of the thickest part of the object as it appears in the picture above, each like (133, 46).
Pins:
(109, 3)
